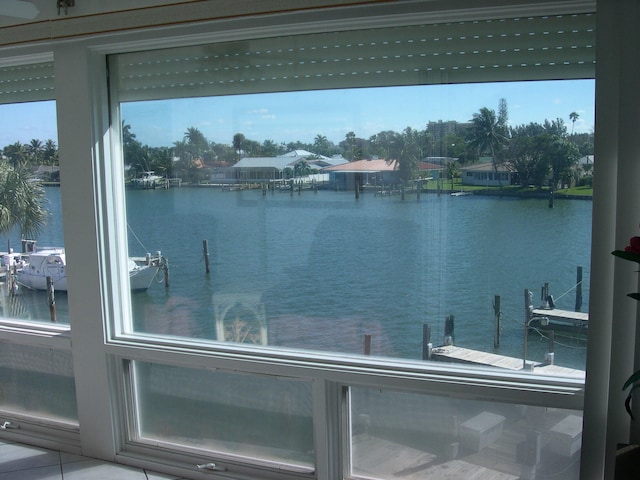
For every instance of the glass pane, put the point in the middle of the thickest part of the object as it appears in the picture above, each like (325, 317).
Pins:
(234, 415)
(396, 434)
(362, 220)
(298, 259)
(31, 232)
(37, 382)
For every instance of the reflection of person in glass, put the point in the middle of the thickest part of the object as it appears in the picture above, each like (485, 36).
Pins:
(175, 317)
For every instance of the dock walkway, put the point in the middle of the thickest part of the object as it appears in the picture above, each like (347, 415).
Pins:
(560, 314)
(451, 353)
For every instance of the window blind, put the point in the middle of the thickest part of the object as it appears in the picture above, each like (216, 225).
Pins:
(27, 83)
(527, 48)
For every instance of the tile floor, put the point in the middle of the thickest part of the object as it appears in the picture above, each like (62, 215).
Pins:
(24, 462)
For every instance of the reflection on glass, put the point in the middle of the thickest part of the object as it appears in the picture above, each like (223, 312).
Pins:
(233, 415)
(439, 437)
(270, 243)
(37, 382)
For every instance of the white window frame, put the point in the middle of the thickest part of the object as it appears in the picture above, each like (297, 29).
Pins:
(38, 334)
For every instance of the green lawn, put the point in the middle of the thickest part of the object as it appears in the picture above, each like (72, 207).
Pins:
(457, 186)
(584, 190)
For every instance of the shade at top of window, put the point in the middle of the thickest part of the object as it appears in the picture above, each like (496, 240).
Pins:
(528, 48)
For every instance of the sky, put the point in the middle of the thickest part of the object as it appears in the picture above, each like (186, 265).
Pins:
(301, 116)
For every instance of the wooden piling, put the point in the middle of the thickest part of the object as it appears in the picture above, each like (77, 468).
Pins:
(165, 264)
(357, 189)
(426, 341)
(578, 289)
(527, 300)
(449, 330)
(51, 298)
(11, 281)
(367, 344)
(205, 248)
(497, 320)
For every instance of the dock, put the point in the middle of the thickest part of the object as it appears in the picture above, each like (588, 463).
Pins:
(565, 315)
(547, 317)
(454, 354)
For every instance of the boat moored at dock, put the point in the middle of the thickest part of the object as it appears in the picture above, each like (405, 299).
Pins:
(51, 263)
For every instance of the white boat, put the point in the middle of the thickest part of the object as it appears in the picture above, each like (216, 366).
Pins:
(148, 180)
(460, 194)
(11, 261)
(51, 262)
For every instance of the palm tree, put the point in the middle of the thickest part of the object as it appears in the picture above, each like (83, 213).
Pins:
(405, 150)
(50, 152)
(21, 201)
(350, 139)
(488, 135)
(301, 169)
(321, 145)
(573, 116)
(451, 168)
(16, 153)
(35, 150)
(197, 141)
(238, 143)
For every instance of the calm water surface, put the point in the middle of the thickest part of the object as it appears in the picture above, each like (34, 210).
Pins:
(328, 268)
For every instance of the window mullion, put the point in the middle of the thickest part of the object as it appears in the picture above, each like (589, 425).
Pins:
(77, 79)
(328, 419)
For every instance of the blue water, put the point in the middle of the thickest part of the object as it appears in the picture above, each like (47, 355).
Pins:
(328, 269)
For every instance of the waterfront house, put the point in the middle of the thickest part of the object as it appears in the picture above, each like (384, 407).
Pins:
(484, 174)
(585, 166)
(429, 169)
(363, 173)
(48, 173)
(260, 169)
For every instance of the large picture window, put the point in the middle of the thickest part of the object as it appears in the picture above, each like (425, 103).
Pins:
(296, 211)
(352, 209)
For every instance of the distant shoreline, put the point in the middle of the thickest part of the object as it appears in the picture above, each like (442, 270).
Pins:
(534, 194)
(543, 195)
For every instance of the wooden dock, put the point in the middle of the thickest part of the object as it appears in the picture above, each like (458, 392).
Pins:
(547, 317)
(559, 321)
(451, 353)
(566, 315)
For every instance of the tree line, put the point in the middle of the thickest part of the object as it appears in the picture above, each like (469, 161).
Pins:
(537, 153)
(31, 155)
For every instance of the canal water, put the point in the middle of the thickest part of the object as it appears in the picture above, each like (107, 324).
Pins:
(323, 269)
